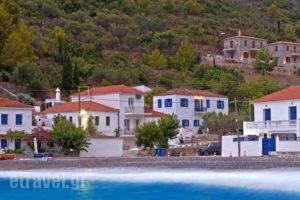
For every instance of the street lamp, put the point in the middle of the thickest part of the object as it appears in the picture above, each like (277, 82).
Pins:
(79, 102)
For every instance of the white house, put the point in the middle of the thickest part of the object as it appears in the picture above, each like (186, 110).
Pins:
(276, 125)
(105, 118)
(15, 116)
(56, 101)
(190, 105)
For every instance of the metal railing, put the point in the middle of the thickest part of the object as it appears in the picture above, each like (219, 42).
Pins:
(134, 110)
(200, 109)
(291, 124)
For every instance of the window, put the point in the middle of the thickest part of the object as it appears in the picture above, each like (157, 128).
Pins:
(253, 44)
(246, 55)
(168, 103)
(184, 102)
(253, 54)
(18, 119)
(70, 119)
(185, 122)
(159, 103)
(4, 119)
(261, 44)
(130, 101)
(107, 121)
(245, 43)
(276, 48)
(295, 49)
(287, 59)
(231, 44)
(287, 48)
(220, 104)
(196, 122)
(96, 120)
(207, 103)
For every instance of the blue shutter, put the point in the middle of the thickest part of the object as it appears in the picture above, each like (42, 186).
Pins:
(207, 103)
(220, 104)
(159, 103)
(196, 123)
(18, 119)
(4, 119)
(293, 112)
(267, 114)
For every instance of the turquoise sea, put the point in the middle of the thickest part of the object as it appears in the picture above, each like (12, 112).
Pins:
(146, 184)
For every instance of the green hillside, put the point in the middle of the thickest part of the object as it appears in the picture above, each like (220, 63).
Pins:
(66, 43)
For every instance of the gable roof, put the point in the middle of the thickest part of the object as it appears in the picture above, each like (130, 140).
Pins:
(190, 92)
(13, 104)
(155, 114)
(108, 90)
(292, 92)
(74, 106)
(245, 37)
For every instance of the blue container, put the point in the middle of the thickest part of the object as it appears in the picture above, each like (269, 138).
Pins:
(160, 151)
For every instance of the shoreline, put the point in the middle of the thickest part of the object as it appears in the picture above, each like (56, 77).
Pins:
(210, 163)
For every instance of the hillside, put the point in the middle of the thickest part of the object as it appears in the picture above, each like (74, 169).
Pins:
(79, 42)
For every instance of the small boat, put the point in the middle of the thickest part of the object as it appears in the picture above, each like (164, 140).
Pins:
(7, 156)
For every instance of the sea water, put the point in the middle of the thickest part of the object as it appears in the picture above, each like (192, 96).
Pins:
(146, 184)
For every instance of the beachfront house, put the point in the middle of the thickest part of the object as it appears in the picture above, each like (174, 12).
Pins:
(15, 116)
(275, 129)
(242, 49)
(189, 105)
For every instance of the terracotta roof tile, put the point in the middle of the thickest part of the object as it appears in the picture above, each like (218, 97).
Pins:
(292, 92)
(74, 106)
(155, 114)
(108, 90)
(190, 92)
(13, 104)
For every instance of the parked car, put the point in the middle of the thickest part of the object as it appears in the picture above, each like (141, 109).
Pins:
(210, 149)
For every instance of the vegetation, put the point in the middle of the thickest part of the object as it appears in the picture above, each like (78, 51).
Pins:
(263, 61)
(69, 137)
(149, 135)
(170, 127)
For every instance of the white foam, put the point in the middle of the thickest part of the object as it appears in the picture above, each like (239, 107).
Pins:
(275, 179)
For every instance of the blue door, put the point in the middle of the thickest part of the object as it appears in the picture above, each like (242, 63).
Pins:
(267, 114)
(17, 144)
(268, 144)
(293, 112)
(3, 143)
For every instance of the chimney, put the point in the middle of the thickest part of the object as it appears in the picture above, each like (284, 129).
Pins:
(239, 33)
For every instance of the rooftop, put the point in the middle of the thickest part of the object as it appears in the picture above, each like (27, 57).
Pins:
(289, 93)
(190, 92)
(13, 104)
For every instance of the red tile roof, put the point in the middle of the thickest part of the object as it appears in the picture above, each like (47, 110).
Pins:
(108, 90)
(190, 92)
(155, 114)
(13, 104)
(292, 92)
(74, 106)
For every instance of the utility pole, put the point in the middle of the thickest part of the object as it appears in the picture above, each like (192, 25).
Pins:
(237, 127)
(79, 108)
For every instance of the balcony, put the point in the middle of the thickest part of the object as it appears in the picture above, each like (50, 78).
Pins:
(296, 54)
(229, 48)
(127, 132)
(134, 110)
(284, 126)
(200, 109)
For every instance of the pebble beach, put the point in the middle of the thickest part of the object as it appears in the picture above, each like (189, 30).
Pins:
(213, 163)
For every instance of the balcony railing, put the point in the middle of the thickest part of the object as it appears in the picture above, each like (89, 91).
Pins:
(134, 110)
(127, 131)
(200, 109)
(285, 124)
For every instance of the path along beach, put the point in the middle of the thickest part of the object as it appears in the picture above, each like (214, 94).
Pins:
(213, 163)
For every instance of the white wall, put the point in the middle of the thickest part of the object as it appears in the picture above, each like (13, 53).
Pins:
(287, 146)
(104, 147)
(248, 148)
(11, 112)
(279, 109)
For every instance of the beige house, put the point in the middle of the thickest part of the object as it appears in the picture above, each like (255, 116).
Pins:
(287, 53)
(242, 49)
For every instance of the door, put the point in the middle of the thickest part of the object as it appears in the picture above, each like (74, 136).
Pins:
(267, 114)
(268, 144)
(3, 143)
(17, 144)
(293, 112)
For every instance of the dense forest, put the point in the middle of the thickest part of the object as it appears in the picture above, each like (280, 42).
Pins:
(46, 44)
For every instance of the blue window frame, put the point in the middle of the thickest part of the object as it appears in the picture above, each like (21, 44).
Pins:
(293, 112)
(184, 102)
(185, 123)
(19, 120)
(4, 119)
(196, 122)
(207, 103)
(168, 103)
(159, 104)
(267, 114)
(220, 104)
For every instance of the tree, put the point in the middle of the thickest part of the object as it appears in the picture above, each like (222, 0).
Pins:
(67, 75)
(185, 57)
(66, 135)
(149, 135)
(60, 39)
(149, 96)
(192, 7)
(289, 32)
(168, 5)
(264, 62)
(6, 25)
(91, 128)
(273, 11)
(157, 60)
(170, 127)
